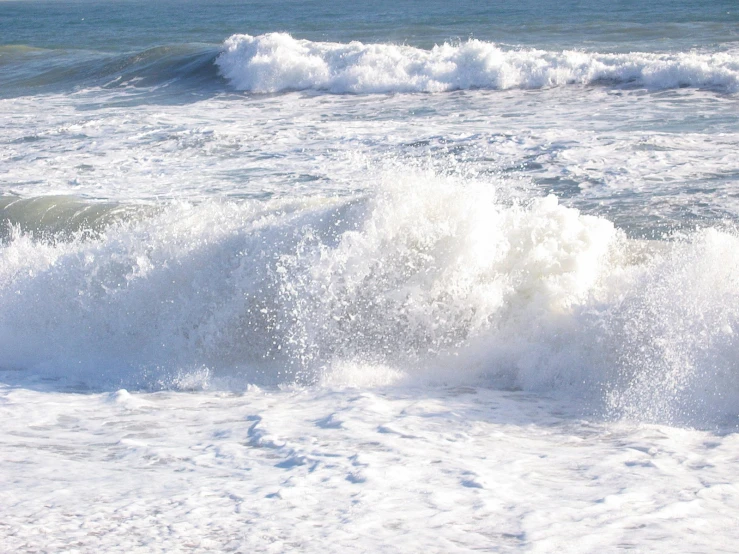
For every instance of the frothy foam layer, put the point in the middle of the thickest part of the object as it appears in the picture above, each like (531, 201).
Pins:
(277, 62)
(427, 277)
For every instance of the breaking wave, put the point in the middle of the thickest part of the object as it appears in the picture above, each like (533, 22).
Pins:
(277, 62)
(427, 277)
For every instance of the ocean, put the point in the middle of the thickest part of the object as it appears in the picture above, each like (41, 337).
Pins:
(401, 276)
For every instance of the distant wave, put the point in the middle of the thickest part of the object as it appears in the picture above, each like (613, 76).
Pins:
(277, 62)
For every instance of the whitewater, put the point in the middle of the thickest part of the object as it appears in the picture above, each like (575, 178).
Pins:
(319, 277)
(277, 62)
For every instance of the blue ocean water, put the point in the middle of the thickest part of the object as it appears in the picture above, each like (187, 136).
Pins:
(537, 195)
(129, 25)
(73, 43)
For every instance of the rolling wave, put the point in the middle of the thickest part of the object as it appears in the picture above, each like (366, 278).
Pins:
(33, 70)
(61, 217)
(277, 62)
(426, 278)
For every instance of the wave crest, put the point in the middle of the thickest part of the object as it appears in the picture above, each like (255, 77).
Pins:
(426, 277)
(277, 62)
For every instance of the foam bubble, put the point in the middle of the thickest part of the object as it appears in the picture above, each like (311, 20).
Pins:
(277, 62)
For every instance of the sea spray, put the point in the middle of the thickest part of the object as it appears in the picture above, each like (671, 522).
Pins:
(427, 277)
(397, 276)
(675, 331)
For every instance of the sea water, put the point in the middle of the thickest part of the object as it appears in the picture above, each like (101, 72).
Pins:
(396, 276)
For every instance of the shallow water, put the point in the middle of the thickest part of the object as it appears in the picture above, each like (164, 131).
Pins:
(318, 276)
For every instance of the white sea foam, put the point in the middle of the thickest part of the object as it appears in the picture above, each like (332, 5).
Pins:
(278, 62)
(427, 277)
(607, 158)
(440, 470)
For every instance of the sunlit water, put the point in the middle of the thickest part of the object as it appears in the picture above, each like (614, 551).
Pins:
(310, 275)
